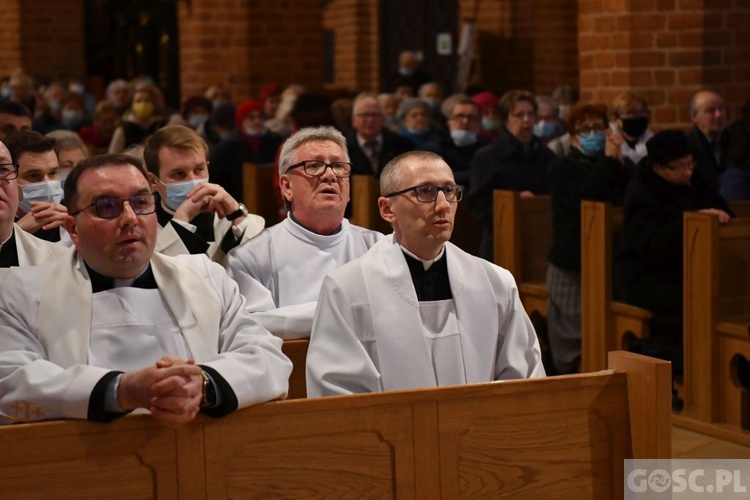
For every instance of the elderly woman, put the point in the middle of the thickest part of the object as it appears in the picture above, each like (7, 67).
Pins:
(594, 169)
(515, 160)
(630, 118)
(414, 114)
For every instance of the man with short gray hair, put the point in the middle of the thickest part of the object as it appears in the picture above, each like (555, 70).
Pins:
(291, 258)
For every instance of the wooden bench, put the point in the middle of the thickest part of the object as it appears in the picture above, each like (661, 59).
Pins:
(717, 326)
(605, 324)
(296, 350)
(561, 437)
(467, 231)
(522, 238)
(257, 191)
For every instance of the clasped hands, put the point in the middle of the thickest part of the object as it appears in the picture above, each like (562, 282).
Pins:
(172, 390)
(207, 197)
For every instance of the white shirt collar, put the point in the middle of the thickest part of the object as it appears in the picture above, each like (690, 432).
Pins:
(426, 263)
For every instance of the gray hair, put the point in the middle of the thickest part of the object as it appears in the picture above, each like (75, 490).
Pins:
(305, 135)
(65, 140)
(412, 103)
(392, 174)
(693, 106)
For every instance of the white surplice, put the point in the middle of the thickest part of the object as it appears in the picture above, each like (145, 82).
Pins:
(168, 241)
(33, 251)
(50, 323)
(290, 262)
(368, 334)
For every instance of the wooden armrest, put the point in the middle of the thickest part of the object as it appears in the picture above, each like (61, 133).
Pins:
(735, 327)
(535, 289)
(624, 309)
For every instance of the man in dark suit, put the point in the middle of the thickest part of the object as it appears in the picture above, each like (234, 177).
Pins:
(709, 137)
(371, 145)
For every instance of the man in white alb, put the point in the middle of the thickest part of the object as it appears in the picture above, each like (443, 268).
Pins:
(291, 258)
(416, 311)
(195, 216)
(115, 327)
(17, 247)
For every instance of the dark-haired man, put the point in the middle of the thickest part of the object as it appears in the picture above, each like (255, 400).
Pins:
(117, 327)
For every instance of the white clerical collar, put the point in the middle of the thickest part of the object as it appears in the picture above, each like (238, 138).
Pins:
(6, 240)
(321, 241)
(426, 263)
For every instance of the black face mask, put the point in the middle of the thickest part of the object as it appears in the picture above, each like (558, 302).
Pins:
(635, 127)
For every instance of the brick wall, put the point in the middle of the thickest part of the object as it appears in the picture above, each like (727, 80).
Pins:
(45, 37)
(244, 44)
(356, 58)
(529, 44)
(10, 36)
(665, 50)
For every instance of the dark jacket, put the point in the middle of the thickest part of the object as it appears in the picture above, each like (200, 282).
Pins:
(459, 158)
(572, 179)
(504, 164)
(392, 146)
(706, 164)
(648, 268)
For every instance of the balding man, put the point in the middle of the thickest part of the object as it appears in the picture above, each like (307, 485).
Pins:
(709, 138)
(416, 311)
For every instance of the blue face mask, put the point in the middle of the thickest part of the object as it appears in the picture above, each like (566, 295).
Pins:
(490, 124)
(591, 144)
(196, 121)
(177, 191)
(49, 191)
(544, 129)
(72, 119)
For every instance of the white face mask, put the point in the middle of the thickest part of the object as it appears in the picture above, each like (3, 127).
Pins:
(463, 137)
(49, 191)
(177, 191)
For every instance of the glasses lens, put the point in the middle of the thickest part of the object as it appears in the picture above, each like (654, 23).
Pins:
(7, 171)
(426, 193)
(341, 169)
(143, 203)
(314, 168)
(108, 208)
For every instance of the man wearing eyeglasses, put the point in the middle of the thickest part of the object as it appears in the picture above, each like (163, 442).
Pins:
(416, 311)
(116, 327)
(291, 258)
(649, 267)
(17, 247)
(370, 144)
(195, 216)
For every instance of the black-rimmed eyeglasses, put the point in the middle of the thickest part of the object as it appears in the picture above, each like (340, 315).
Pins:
(110, 207)
(428, 193)
(8, 171)
(315, 168)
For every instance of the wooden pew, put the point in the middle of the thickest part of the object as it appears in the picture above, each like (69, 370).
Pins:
(605, 324)
(257, 191)
(296, 350)
(559, 437)
(717, 323)
(522, 238)
(467, 231)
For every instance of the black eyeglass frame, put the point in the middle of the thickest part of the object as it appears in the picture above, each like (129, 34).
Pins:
(459, 189)
(122, 201)
(15, 171)
(303, 164)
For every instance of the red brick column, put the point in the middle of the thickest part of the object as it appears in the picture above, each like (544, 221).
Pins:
(243, 45)
(355, 24)
(10, 36)
(664, 50)
(44, 37)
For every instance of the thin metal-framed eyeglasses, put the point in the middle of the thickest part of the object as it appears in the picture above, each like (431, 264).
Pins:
(316, 168)
(8, 171)
(111, 207)
(428, 193)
